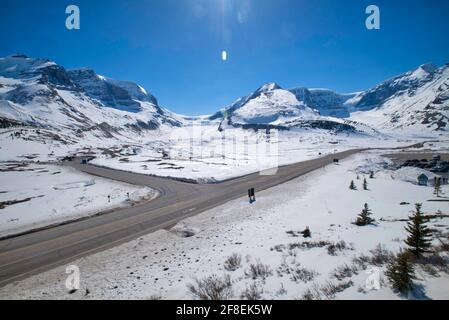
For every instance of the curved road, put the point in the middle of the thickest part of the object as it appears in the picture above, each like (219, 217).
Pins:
(44, 249)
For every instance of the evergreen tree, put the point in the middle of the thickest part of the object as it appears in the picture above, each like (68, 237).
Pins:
(364, 217)
(419, 239)
(365, 184)
(306, 233)
(401, 273)
(352, 186)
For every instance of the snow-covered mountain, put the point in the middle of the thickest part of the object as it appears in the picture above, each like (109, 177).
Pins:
(327, 102)
(271, 106)
(415, 101)
(41, 93)
(121, 95)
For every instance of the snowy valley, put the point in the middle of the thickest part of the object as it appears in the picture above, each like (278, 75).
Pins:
(51, 117)
(258, 251)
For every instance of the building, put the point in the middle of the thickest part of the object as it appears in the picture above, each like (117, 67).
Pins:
(423, 180)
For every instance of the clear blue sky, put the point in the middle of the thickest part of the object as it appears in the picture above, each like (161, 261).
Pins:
(173, 47)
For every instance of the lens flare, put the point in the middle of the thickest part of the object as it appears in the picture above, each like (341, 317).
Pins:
(224, 56)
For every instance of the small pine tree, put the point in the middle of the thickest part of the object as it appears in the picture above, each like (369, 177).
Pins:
(364, 218)
(419, 239)
(401, 273)
(306, 233)
(365, 184)
(352, 186)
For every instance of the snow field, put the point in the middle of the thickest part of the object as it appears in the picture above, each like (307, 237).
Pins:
(164, 263)
(55, 194)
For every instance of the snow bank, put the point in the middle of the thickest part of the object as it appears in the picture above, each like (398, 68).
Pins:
(54, 194)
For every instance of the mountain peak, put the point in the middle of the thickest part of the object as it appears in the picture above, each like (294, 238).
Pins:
(18, 55)
(83, 72)
(121, 95)
(270, 86)
(21, 66)
(428, 67)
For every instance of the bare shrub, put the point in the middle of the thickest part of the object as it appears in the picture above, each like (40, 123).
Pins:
(429, 269)
(345, 271)
(327, 291)
(292, 253)
(330, 289)
(252, 293)
(212, 288)
(278, 248)
(435, 260)
(233, 262)
(281, 291)
(361, 289)
(284, 268)
(309, 245)
(302, 274)
(294, 234)
(443, 247)
(362, 262)
(313, 293)
(307, 296)
(258, 271)
(381, 256)
(296, 272)
(333, 248)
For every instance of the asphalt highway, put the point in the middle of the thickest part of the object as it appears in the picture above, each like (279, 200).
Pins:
(28, 254)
